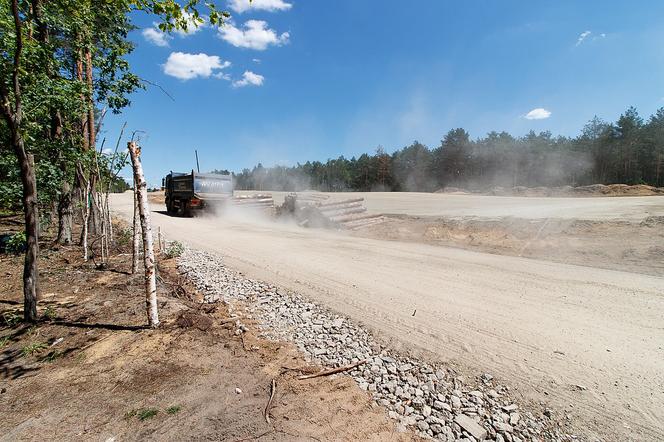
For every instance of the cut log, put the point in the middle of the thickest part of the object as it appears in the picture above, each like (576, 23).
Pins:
(346, 211)
(253, 201)
(249, 197)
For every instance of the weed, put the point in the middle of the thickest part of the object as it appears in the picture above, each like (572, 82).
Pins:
(174, 409)
(16, 243)
(4, 341)
(11, 318)
(49, 313)
(52, 356)
(141, 413)
(174, 249)
(146, 413)
(33, 348)
(124, 237)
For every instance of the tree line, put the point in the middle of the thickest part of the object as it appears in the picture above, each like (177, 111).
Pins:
(629, 151)
(63, 66)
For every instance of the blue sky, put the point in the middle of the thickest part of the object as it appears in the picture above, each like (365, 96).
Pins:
(290, 81)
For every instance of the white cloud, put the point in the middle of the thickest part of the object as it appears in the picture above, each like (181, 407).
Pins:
(241, 6)
(188, 66)
(582, 37)
(538, 114)
(155, 36)
(256, 60)
(249, 79)
(254, 35)
(107, 151)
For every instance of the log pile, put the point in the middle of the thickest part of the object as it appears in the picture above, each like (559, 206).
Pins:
(317, 211)
(258, 201)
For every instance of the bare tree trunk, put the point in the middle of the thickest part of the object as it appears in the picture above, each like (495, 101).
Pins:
(84, 122)
(136, 235)
(148, 247)
(91, 110)
(86, 220)
(30, 271)
(109, 221)
(65, 215)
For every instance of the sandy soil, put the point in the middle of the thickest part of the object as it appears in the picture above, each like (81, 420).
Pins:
(544, 327)
(618, 245)
(101, 376)
(439, 204)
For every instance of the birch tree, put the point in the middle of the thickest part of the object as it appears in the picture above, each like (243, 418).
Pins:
(146, 229)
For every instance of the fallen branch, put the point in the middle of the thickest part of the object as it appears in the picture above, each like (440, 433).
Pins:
(332, 371)
(273, 390)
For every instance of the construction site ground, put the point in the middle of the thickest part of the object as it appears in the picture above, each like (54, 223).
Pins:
(570, 293)
(90, 370)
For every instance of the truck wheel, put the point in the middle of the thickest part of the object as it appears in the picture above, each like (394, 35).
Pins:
(182, 209)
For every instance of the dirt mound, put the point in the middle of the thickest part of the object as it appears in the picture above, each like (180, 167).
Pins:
(584, 191)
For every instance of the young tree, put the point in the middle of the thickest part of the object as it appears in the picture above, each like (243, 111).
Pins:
(146, 229)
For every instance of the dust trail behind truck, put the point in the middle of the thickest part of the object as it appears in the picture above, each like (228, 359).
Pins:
(189, 192)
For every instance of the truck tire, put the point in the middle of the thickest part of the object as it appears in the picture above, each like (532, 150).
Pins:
(169, 207)
(182, 210)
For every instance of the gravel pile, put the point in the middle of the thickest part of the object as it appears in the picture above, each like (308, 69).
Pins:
(432, 400)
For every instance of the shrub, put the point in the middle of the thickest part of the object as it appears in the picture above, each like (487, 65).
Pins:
(16, 243)
(174, 249)
(124, 237)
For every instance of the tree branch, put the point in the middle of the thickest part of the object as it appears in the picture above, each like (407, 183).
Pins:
(157, 85)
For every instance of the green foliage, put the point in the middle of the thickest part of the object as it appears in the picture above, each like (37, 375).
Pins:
(52, 356)
(4, 341)
(16, 243)
(49, 313)
(174, 249)
(124, 237)
(11, 318)
(33, 348)
(174, 409)
(142, 413)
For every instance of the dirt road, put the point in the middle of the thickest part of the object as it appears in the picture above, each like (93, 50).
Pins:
(584, 340)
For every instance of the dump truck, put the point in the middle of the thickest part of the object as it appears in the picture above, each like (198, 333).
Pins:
(189, 192)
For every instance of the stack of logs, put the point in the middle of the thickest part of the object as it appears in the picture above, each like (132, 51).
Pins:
(311, 210)
(258, 201)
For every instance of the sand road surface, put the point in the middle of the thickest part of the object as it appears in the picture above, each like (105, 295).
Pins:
(440, 204)
(588, 342)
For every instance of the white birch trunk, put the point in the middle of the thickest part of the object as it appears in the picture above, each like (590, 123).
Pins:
(86, 220)
(148, 247)
(136, 235)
